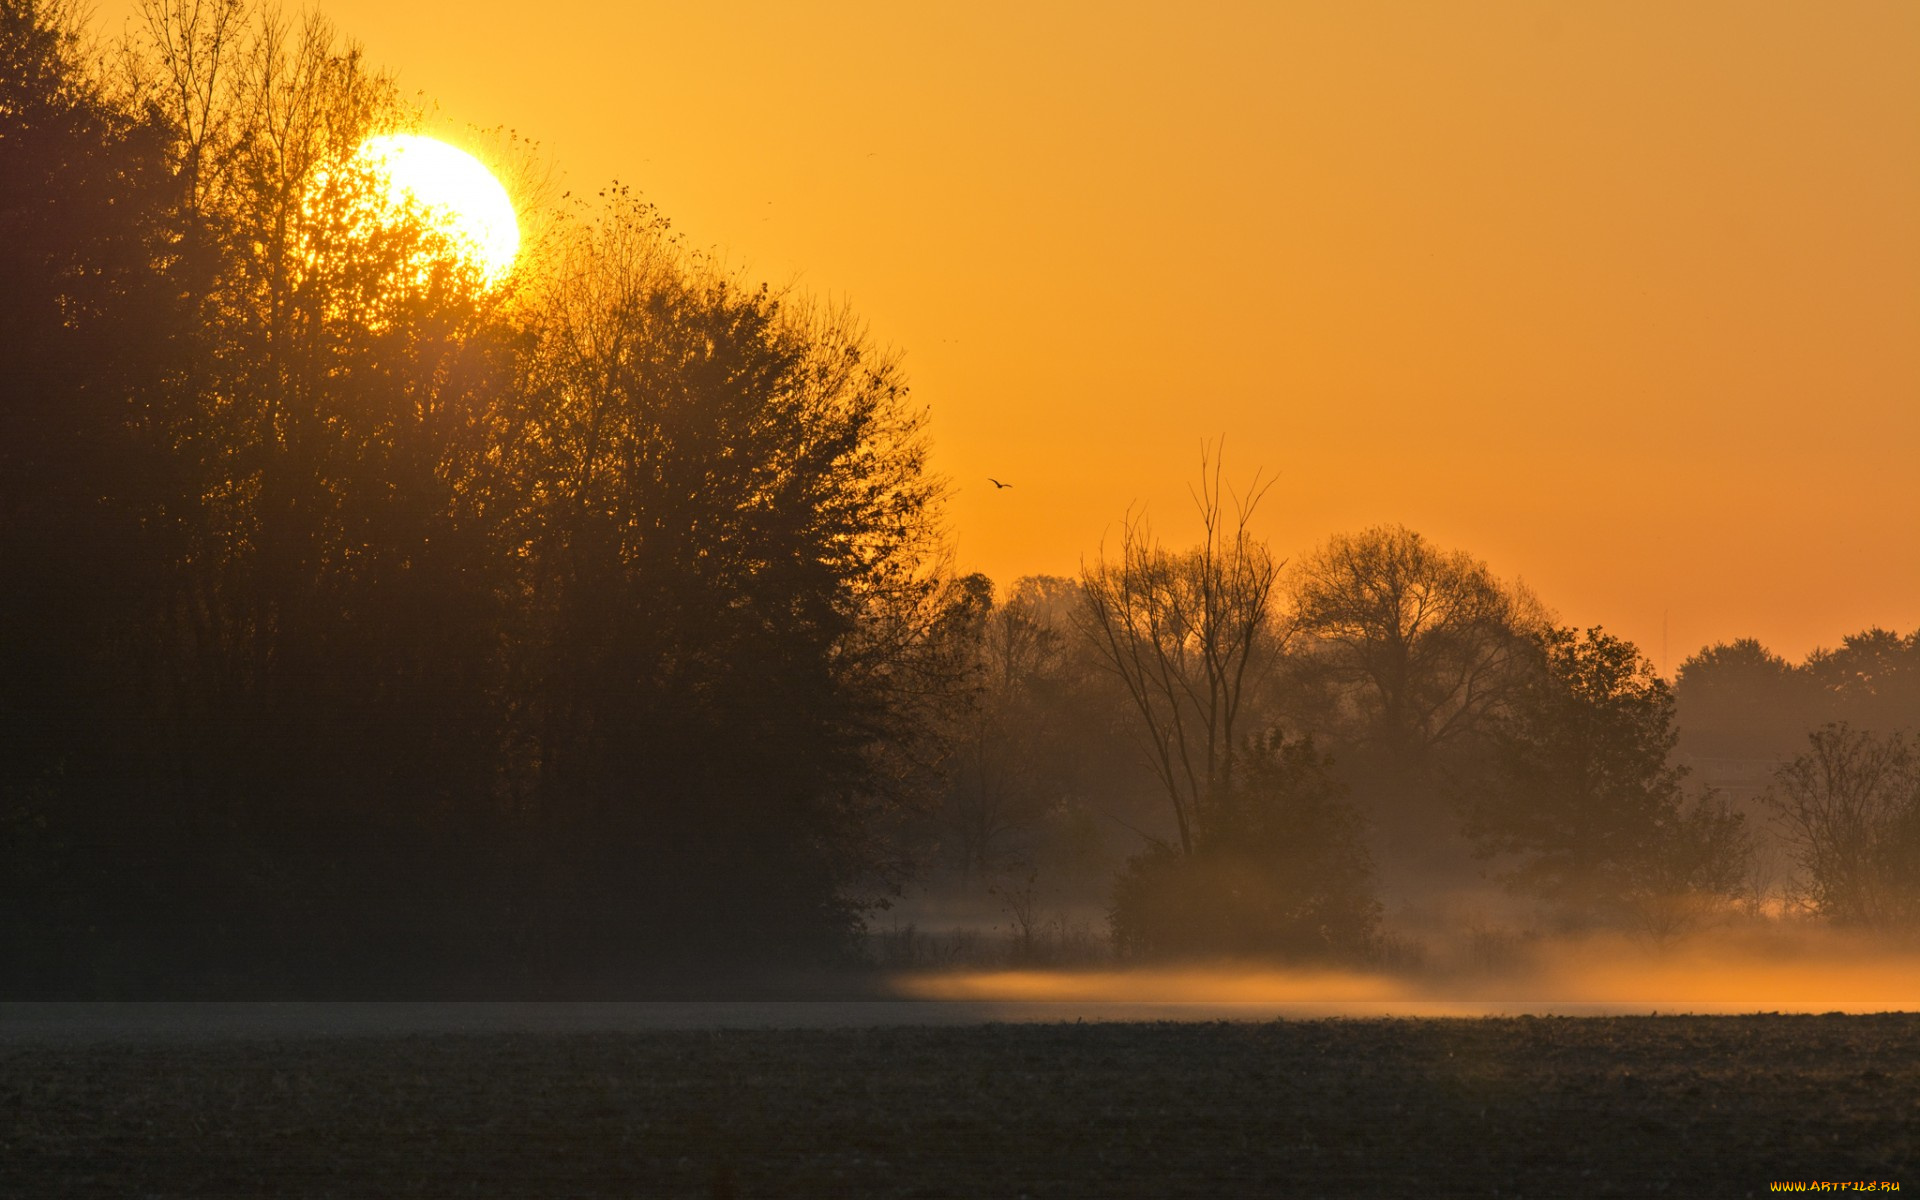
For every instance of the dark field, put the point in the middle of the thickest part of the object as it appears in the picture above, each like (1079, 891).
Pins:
(1629, 1106)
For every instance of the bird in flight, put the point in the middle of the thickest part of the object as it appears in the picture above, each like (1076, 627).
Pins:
(997, 484)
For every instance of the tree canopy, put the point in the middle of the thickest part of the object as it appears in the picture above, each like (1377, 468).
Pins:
(371, 625)
(1739, 700)
(1582, 803)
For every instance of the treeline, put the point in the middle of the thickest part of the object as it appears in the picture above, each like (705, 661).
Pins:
(1379, 710)
(1382, 716)
(1739, 700)
(1826, 747)
(366, 626)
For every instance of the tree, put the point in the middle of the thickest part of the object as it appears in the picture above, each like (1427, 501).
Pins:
(90, 322)
(1740, 700)
(1579, 793)
(734, 602)
(1038, 771)
(1850, 805)
(1871, 682)
(1189, 636)
(1422, 645)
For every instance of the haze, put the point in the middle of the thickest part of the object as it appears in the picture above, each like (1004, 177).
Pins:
(1620, 297)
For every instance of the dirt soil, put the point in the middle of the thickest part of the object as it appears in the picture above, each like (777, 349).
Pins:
(1532, 1106)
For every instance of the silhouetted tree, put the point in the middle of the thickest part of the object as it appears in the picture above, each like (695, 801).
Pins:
(1850, 806)
(1740, 700)
(996, 787)
(1421, 645)
(732, 587)
(334, 668)
(1189, 635)
(1580, 795)
(1404, 656)
(1871, 682)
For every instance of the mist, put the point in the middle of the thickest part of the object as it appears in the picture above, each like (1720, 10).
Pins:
(1784, 970)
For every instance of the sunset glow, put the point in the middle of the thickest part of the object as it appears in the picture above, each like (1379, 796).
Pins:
(1414, 262)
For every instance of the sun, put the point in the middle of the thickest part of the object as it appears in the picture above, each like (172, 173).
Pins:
(455, 191)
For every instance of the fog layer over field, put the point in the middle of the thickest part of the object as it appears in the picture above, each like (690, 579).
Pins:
(1778, 969)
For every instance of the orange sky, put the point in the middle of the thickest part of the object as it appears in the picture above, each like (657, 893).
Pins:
(1622, 297)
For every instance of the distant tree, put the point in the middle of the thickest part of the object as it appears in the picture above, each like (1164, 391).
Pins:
(91, 322)
(999, 774)
(1282, 870)
(1871, 682)
(1420, 645)
(1189, 635)
(1580, 797)
(1039, 775)
(1740, 700)
(1850, 806)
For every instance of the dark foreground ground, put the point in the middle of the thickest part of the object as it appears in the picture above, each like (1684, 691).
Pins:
(1626, 1106)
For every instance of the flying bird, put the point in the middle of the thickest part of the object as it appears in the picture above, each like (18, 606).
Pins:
(997, 484)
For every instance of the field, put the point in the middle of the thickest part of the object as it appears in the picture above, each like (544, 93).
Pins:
(1553, 1106)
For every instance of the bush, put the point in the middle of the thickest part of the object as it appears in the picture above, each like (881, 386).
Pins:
(1280, 870)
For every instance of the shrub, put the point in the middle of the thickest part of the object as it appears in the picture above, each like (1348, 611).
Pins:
(1280, 869)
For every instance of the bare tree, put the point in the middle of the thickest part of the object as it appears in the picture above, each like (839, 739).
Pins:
(1189, 635)
(1850, 806)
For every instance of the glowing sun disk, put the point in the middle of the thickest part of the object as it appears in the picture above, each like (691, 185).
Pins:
(455, 191)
